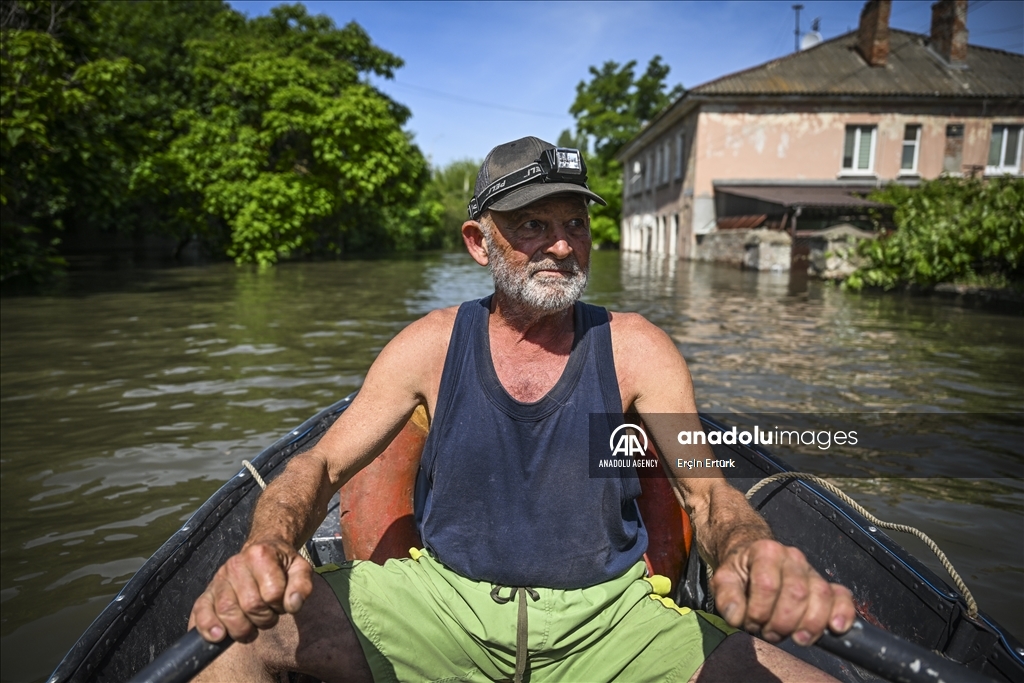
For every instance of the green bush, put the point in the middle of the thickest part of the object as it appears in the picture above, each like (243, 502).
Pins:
(965, 231)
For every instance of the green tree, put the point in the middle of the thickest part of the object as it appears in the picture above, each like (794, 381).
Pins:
(289, 152)
(452, 187)
(155, 35)
(610, 109)
(948, 230)
(614, 105)
(59, 158)
(260, 137)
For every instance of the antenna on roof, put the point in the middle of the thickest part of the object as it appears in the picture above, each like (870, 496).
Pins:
(796, 33)
(813, 37)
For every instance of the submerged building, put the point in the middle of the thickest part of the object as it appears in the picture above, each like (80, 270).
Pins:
(796, 143)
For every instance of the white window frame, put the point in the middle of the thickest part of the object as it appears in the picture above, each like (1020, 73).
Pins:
(917, 149)
(666, 151)
(858, 131)
(1002, 168)
(636, 175)
(680, 144)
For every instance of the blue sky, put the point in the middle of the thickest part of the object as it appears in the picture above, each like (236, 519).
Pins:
(480, 73)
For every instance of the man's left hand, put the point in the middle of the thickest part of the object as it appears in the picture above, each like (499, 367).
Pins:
(768, 587)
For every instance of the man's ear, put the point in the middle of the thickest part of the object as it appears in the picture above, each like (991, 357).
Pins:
(476, 242)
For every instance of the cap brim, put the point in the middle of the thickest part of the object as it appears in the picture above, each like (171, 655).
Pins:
(528, 194)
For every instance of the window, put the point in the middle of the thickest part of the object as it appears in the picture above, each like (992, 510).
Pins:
(657, 166)
(1004, 150)
(635, 180)
(647, 172)
(859, 149)
(953, 155)
(911, 146)
(665, 150)
(680, 139)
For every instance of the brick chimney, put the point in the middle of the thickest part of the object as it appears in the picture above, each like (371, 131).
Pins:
(873, 32)
(949, 30)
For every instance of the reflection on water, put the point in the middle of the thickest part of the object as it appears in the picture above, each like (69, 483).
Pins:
(129, 397)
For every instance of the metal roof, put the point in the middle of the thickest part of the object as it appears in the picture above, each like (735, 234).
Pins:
(835, 67)
(801, 195)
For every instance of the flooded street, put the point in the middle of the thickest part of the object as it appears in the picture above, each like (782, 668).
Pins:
(128, 397)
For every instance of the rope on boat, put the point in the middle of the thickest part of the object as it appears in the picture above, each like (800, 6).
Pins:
(263, 485)
(972, 605)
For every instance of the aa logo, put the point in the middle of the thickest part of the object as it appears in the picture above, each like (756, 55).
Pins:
(628, 444)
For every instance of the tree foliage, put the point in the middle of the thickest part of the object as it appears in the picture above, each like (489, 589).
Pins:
(948, 230)
(57, 117)
(451, 187)
(610, 109)
(288, 151)
(260, 137)
(614, 105)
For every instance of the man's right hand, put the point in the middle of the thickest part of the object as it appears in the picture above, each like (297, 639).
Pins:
(249, 592)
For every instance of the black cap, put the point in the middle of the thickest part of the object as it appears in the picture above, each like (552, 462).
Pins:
(513, 156)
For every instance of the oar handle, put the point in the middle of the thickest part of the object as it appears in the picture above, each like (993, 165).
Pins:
(867, 646)
(894, 658)
(183, 660)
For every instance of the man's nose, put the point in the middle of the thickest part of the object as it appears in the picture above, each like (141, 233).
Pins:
(559, 247)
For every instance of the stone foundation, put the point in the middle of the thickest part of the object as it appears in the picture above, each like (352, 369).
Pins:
(753, 249)
(767, 250)
(833, 252)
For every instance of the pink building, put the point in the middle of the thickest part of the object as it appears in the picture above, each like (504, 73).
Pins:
(797, 141)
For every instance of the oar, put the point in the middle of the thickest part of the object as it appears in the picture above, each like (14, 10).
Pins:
(183, 660)
(894, 658)
(869, 647)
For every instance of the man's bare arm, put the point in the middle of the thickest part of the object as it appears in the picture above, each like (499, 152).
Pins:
(267, 577)
(759, 584)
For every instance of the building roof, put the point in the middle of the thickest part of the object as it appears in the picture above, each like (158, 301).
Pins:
(802, 195)
(835, 67)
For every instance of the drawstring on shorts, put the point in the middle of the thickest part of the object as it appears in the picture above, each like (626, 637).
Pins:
(522, 631)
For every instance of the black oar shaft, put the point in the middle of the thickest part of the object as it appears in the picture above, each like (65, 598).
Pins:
(183, 660)
(895, 659)
(867, 646)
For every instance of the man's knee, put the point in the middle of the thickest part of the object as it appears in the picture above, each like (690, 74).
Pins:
(741, 657)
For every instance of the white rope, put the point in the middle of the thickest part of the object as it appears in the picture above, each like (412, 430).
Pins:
(263, 485)
(972, 605)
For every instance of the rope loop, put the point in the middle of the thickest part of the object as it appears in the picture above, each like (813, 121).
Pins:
(972, 605)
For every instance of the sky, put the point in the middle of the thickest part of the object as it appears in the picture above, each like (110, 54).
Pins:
(478, 74)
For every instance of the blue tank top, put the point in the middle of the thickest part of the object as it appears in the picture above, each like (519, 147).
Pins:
(504, 493)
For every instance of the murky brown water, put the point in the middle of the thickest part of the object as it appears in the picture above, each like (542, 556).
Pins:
(128, 397)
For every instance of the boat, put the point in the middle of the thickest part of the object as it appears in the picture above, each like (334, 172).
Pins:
(893, 590)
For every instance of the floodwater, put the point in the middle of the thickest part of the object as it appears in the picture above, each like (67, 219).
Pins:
(128, 397)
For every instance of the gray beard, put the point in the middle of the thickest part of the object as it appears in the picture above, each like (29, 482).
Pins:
(520, 286)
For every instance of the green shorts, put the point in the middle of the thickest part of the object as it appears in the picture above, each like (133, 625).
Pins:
(419, 621)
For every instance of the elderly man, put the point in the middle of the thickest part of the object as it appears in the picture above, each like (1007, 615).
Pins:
(532, 568)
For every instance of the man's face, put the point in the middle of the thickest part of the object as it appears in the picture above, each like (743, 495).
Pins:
(540, 255)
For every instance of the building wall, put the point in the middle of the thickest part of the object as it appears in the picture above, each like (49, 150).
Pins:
(771, 144)
(657, 214)
(792, 142)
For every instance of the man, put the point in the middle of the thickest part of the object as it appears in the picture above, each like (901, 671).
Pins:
(532, 568)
